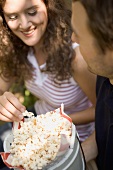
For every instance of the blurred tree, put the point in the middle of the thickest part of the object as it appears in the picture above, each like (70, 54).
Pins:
(24, 95)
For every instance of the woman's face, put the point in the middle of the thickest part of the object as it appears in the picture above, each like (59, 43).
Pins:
(27, 19)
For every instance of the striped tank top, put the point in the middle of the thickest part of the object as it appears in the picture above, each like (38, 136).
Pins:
(50, 96)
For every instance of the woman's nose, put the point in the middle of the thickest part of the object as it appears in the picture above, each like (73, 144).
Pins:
(24, 22)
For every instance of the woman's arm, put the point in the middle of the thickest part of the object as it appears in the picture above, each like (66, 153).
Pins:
(10, 107)
(87, 82)
(89, 147)
(85, 79)
(83, 117)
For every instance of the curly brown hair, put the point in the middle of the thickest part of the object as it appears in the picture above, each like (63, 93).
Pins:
(57, 44)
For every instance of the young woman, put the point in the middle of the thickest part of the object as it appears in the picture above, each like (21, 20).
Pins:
(35, 45)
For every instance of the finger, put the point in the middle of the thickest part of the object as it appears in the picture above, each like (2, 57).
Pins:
(14, 101)
(8, 107)
(5, 119)
(8, 115)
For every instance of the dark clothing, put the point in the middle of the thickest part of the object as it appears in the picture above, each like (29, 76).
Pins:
(32, 109)
(104, 123)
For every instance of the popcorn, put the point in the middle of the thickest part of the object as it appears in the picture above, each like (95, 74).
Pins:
(28, 114)
(38, 140)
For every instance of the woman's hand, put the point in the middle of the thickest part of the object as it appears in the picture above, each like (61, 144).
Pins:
(10, 108)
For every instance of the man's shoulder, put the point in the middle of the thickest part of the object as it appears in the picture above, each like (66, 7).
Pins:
(102, 84)
(101, 80)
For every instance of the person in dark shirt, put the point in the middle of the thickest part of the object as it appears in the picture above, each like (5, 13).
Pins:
(92, 22)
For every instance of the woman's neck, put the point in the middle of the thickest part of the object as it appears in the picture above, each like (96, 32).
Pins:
(41, 57)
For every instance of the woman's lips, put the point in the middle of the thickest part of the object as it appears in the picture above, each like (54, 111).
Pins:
(28, 33)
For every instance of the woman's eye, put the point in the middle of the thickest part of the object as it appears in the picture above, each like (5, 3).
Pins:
(12, 17)
(32, 12)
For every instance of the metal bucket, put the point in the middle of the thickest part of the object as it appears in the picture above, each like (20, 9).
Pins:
(73, 159)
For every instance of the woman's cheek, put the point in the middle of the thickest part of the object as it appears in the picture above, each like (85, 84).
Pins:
(12, 25)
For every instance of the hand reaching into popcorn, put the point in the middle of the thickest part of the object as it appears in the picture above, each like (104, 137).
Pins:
(10, 108)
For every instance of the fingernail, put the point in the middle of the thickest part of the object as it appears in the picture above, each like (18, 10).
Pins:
(20, 117)
(22, 109)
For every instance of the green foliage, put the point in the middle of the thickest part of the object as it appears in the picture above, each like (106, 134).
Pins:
(24, 95)
(29, 99)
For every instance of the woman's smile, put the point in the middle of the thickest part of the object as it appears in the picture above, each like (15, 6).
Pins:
(29, 33)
